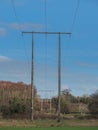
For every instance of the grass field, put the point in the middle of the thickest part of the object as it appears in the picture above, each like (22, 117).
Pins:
(48, 125)
(51, 128)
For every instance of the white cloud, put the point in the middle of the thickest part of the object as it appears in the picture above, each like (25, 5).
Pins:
(4, 59)
(24, 26)
(85, 89)
(3, 31)
(12, 70)
(83, 64)
(20, 2)
(63, 87)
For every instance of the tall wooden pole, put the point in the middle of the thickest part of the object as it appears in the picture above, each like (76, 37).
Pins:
(32, 80)
(59, 75)
(59, 69)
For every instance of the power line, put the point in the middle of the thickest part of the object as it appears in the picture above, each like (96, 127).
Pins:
(75, 15)
(14, 10)
(45, 1)
(20, 29)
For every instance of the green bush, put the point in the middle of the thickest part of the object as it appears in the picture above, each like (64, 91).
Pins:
(93, 105)
(5, 110)
(15, 106)
(64, 107)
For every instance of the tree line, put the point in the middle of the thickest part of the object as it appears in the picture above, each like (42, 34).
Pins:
(15, 101)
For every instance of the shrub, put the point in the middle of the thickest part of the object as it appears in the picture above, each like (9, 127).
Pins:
(15, 106)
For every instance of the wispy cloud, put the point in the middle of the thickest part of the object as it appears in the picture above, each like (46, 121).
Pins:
(19, 71)
(93, 1)
(4, 59)
(64, 87)
(16, 2)
(3, 31)
(86, 89)
(13, 70)
(82, 64)
(20, 3)
(24, 26)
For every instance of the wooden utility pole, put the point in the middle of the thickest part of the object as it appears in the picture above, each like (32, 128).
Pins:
(32, 80)
(59, 69)
(59, 76)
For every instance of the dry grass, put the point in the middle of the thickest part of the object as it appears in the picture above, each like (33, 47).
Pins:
(47, 123)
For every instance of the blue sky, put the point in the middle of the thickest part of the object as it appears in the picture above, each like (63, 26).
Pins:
(79, 52)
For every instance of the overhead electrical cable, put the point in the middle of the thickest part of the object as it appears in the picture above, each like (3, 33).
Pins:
(17, 20)
(46, 15)
(20, 29)
(75, 15)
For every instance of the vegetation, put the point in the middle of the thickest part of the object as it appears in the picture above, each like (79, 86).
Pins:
(15, 99)
(93, 104)
(16, 106)
(15, 102)
(53, 128)
(47, 123)
(70, 103)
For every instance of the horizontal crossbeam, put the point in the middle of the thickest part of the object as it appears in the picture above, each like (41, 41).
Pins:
(67, 33)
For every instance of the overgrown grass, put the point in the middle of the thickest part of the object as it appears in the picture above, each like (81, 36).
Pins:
(48, 123)
(52, 128)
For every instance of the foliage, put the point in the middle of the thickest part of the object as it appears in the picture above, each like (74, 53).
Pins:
(64, 102)
(93, 105)
(16, 106)
(64, 107)
(52, 127)
(70, 103)
(36, 104)
(55, 103)
(15, 99)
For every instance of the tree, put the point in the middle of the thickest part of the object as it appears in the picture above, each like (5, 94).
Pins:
(64, 106)
(66, 92)
(16, 106)
(93, 105)
(55, 103)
